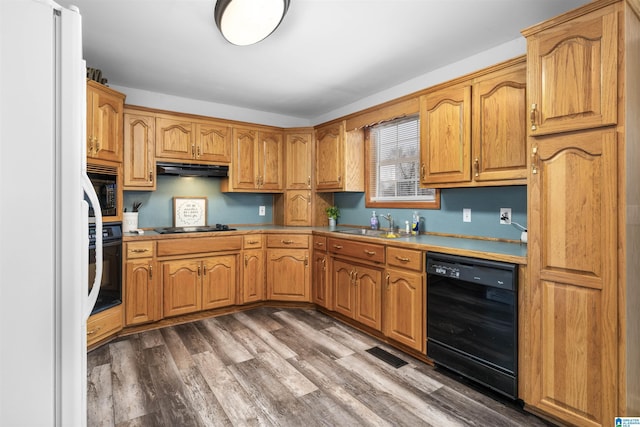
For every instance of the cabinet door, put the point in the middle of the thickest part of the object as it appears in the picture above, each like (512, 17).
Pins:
(271, 164)
(245, 159)
(321, 292)
(573, 78)
(288, 277)
(140, 292)
(445, 135)
(253, 278)
(368, 288)
(181, 286)
(573, 281)
(343, 287)
(500, 126)
(219, 278)
(404, 302)
(329, 161)
(297, 208)
(139, 160)
(298, 155)
(213, 142)
(175, 139)
(105, 127)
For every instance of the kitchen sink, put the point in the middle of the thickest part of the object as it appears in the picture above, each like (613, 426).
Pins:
(368, 232)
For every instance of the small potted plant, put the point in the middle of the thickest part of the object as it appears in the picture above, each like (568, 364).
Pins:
(333, 213)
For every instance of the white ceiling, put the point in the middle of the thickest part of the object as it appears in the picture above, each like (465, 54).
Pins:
(326, 53)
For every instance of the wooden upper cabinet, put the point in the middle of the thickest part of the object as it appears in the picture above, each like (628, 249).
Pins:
(339, 158)
(445, 135)
(573, 73)
(499, 137)
(104, 122)
(257, 161)
(298, 150)
(573, 290)
(139, 143)
(270, 160)
(175, 138)
(213, 142)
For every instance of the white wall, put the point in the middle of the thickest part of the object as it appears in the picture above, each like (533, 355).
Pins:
(476, 62)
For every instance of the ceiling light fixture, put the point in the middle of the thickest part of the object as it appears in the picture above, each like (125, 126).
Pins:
(245, 22)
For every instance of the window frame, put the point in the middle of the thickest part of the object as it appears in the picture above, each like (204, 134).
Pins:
(399, 204)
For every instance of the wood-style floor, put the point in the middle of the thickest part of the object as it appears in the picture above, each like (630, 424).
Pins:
(281, 367)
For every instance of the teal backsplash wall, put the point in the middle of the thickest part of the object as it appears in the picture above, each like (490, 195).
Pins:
(484, 202)
(222, 208)
(242, 208)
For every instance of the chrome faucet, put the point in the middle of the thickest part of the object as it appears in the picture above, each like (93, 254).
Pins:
(390, 219)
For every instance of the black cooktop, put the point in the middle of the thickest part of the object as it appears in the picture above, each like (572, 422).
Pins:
(194, 229)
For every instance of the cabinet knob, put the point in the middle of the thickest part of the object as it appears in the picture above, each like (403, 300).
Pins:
(150, 176)
(402, 259)
(534, 160)
(476, 166)
(150, 271)
(387, 280)
(370, 253)
(193, 150)
(422, 170)
(286, 242)
(139, 251)
(337, 246)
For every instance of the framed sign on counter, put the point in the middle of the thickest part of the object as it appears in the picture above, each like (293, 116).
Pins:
(189, 211)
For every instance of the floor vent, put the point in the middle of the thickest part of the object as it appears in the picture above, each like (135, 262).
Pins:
(387, 357)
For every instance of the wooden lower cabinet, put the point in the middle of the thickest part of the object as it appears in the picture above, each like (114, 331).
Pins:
(404, 308)
(103, 325)
(253, 275)
(358, 292)
(181, 287)
(140, 290)
(288, 275)
(198, 284)
(320, 285)
(219, 281)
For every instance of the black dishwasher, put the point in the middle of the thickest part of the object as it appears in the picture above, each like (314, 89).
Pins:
(472, 319)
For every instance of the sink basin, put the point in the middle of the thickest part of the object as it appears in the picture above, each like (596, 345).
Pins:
(368, 232)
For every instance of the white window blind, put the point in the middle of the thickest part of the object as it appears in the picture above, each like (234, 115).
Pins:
(394, 162)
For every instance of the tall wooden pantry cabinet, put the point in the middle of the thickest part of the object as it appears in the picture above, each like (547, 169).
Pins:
(582, 350)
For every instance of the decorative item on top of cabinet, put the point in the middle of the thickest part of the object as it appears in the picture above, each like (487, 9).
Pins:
(253, 272)
(141, 294)
(257, 161)
(488, 149)
(104, 122)
(339, 158)
(583, 252)
(573, 74)
(288, 272)
(139, 150)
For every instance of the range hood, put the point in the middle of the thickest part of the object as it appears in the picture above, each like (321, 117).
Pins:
(187, 169)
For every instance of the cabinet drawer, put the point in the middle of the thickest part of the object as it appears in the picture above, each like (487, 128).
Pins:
(253, 241)
(104, 324)
(198, 245)
(140, 249)
(367, 251)
(288, 241)
(320, 243)
(405, 258)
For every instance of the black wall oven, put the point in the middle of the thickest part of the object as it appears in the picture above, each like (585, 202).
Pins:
(111, 288)
(472, 319)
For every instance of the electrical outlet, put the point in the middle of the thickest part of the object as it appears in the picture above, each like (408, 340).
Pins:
(505, 215)
(466, 215)
(261, 211)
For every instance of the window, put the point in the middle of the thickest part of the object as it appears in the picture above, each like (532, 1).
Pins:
(394, 166)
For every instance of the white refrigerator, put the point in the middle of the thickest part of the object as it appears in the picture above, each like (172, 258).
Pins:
(43, 216)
